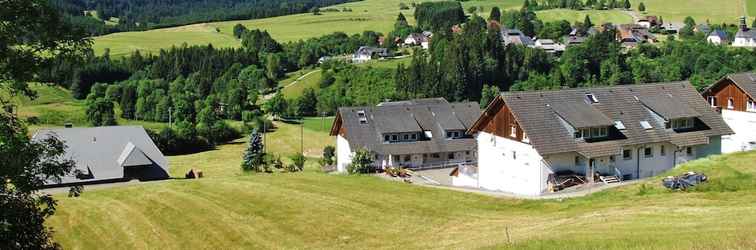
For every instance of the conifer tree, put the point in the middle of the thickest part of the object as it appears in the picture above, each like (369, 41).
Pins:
(254, 157)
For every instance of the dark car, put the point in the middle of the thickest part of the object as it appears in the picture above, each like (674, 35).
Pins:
(684, 181)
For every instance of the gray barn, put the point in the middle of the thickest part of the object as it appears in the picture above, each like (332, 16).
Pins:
(109, 154)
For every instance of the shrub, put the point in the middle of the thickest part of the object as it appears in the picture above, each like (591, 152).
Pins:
(329, 153)
(362, 163)
(299, 161)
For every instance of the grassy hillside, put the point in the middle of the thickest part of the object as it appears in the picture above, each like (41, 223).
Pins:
(715, 11)
(314, 210)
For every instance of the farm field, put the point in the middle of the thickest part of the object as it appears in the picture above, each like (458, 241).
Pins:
(229, 209)
(701, 10)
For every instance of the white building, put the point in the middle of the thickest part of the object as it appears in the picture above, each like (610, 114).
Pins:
(717, 37)
(365, 54)
(516, 37)
(526, 139)
(424, 133)
(418, 39)
(745, 37)
(549, 45)
(734, 97)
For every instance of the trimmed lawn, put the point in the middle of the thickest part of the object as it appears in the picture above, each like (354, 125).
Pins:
(597, 16)
(315, 210)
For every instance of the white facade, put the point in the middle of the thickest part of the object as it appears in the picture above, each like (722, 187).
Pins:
(467, 176)
(510, 166)
(744, 42)
(343, 154)
(644, 23)
(714, 40)
(744, 126)
(516, 167)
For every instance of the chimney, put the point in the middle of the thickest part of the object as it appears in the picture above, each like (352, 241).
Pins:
(743, 25)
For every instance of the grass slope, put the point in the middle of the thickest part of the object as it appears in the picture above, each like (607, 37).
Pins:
(315, 210)
(701, 10)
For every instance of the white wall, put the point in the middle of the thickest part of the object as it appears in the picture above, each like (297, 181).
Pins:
(343, 154)
(714, 40)
(744, 125)
(743, 42)
(510, 166)
(467, 177)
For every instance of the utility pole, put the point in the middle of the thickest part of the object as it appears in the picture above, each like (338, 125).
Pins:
(170, 117)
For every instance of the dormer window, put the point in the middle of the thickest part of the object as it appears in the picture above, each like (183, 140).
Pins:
(619, 125)
(591, 98)
(361, 113)
(592, 133)
(684, 123)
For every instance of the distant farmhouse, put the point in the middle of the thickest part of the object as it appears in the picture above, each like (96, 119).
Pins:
(419, 39)
(745, 37)
(109, 154)
(735, 97)
(422, 133)
(527, 139)
(717, 37)
(516, 37)
(632, 35)
(365, 54)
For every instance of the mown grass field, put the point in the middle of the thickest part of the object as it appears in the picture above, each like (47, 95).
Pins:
(232, 210)
(716, 12)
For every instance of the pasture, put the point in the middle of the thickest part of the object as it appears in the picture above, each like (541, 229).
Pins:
(232, 210)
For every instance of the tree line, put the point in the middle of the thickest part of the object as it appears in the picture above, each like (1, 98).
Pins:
(135, 15)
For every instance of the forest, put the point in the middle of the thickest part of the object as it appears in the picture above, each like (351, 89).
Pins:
(134, 15)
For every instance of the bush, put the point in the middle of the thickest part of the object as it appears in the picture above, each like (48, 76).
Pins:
(299, 161)
(329, 153)
(362, 163)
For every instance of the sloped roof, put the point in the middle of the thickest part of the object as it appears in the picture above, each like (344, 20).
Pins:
(719, 33)
(746, 81)
(434, 115)
(667, 106)
(538, 114)
(106, 151)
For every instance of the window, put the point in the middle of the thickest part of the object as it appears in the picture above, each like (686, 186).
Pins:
(450, 156)
(594, 132)
(435, 156)
(730, 103)
(689, 151)
(386, 138)
(751, 106)
(407, 158)
(619, 125)
(662, 151)
(591, 98)
(467, 152)
(448, 134)
(648, 152)
(363, 120)
(603, 132)
(578, 161)
(612, 159)
(713, 101)
(682, 123)
(513, 132)
(414, 137)
(394, 138)
(361, 113)
(645, 125)
(627, 154)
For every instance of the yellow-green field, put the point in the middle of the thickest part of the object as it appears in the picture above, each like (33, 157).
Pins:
(715, 11)
(232, 210)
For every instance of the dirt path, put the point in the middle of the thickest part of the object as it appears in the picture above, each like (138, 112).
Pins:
(268, 96)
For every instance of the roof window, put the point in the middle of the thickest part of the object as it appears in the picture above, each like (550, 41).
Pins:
(361, 113)
(645, 125)
(363, 120)
(591, 98)
(619, 125)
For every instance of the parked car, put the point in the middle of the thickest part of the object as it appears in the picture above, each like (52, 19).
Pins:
(684, 181)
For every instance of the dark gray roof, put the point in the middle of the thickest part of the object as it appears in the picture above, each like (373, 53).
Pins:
(668, 106)
(538, 116)
(107, 151)
(746, 81)
(515, 36)
(747, 33)
(580, 114)
(434, 115)
(719, 33)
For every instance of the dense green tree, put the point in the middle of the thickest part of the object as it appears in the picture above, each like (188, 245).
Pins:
(642, 7)
(308, 103)
(100, 112)
(277, 105)
(273, 66)
(627, 4)
(239, 30)
(488, 95)
(587, 24)
(495, 14)
(254, 157)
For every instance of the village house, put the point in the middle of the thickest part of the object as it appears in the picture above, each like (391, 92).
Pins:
(422, 133)
(527, 139)
(108, 154)
(735, 97)
(418, 39)
(631, 35)
(549, 46)
(649, 22)
(365, 54)
(745, 37)
(672, 28)
(717, 37)
(516, 37)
